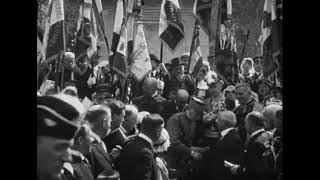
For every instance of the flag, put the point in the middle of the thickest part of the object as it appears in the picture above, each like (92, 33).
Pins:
(141, 64)
(196, 51)
(270, 65)
(130, 25)
(171, 29)
(54, 35)
(227, 39)
(276, 33)
(118, 18)
(202, 12)
(226, 65)
(119, 62)
(102, 41)
(87, 33)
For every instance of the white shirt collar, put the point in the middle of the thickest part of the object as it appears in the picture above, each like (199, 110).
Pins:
(256, 132)
(143, 136)
(123, 129)
(224, 132)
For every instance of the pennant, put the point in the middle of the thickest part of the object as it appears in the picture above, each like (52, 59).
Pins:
(119, 62)
(196, 51)
(118, 18)
(54, 35)
(270, 65)
(171, 30)
(141, 64)
(202, 12)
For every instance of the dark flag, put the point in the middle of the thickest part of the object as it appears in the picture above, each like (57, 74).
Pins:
(196, 51)
(54, 35)
(118, 18)
(119, 62)
(276, 32)
(270, 64)
(171, 29)
(202, 11)
(87, 33)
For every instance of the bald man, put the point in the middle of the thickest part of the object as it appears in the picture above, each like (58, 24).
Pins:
(176, 105)
(228, 148)
(149, 101)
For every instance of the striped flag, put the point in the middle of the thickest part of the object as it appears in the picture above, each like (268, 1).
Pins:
(171, 30)
(119, 62)
(270, 65)
(202, 11)
(227, 40)
(140, 57)
(196, 51)
(87, 33)
(118, 18)
(54, 35)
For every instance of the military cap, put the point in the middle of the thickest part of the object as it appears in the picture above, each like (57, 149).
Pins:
(175, 62)
(55, 116)
(104, 87)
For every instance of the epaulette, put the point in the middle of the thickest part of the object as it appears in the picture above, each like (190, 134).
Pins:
(264, 137)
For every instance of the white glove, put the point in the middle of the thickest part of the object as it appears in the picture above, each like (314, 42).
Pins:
(163, 68)
(234, 169)
(91, 81)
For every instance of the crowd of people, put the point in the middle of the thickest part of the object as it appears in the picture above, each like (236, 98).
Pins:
(171, 125)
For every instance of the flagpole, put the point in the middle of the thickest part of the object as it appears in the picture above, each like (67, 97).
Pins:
(192, 44)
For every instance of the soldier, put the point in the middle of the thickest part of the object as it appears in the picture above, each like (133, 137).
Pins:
(177, 79)
(259, 162)
(182, 130)
(56, 127)
(149, 101)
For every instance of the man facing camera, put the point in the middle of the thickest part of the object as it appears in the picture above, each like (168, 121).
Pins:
(136, 161)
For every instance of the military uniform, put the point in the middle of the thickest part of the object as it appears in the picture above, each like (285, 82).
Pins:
(79, 169)
(150, 104)
(259, 162)
(182, 133)
(241, 112)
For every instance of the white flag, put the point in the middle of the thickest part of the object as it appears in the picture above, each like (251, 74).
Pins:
(141, 60)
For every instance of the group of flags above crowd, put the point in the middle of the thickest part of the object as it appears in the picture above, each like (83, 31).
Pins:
(129, 54)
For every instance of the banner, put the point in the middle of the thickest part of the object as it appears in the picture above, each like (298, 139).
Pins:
(141, 64)
(118, 19)
(87, 33)
(202, 11)
(119, 62)
(102, 41)
(171, 30)
(54, 35)
(270, 65)
(226, 61)
(196, 51)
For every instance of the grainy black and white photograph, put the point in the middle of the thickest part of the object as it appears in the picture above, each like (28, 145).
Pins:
(159, 90)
